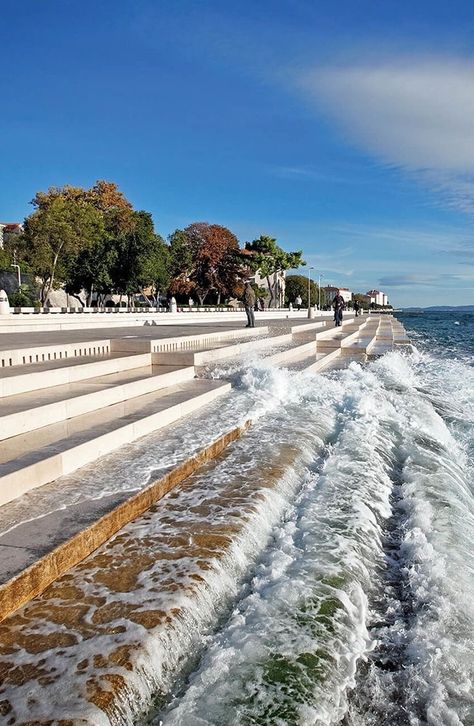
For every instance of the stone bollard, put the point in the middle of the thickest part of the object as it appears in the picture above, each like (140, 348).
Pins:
(173, 305)
(290, 307)
(4, 304)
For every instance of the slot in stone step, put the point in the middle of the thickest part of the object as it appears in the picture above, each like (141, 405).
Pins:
(38, 457)
(35, 409)
(33, 377)
(54, 351)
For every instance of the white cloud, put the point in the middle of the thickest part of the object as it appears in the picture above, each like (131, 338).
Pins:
(417, 114)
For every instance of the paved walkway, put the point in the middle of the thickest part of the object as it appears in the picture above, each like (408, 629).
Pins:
(11, 341)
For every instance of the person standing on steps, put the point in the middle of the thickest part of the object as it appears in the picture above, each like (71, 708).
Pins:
(298, 302)
(249, 304)
(338, 305)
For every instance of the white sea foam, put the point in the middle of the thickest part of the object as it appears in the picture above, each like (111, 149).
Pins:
(351, 589)
(396, 459)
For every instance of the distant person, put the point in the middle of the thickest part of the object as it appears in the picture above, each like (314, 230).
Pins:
(338, 306)
(261, 303)
(356, 308)
(298, 302)
(190, 302)
(249, 304)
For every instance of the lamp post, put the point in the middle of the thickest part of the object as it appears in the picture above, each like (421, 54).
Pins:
(319, 292)
(310, 311)
(18, 272)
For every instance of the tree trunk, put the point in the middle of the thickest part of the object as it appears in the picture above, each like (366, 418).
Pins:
(53, 270)
(89, 296)
(150, 302)
(270, 290)
(77, 298)
(202, 296)
(43, 292)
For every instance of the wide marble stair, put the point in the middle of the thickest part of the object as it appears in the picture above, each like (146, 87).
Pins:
(64, 406)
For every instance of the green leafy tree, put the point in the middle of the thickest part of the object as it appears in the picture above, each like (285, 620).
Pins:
(142, 259)
(298, 285)
(268, 257)
(91, 271)
(6, 260)
(361, 299)
(57, 231)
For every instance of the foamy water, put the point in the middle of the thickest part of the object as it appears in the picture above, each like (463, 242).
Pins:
(347, 596)
(361, 609)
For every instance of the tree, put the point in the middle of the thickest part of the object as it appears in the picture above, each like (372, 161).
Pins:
(142, 259)
(362, 300)
(205, 257)
(298, 285)
(268, 258)
(61, 226)
(91, 271)
(118, 214)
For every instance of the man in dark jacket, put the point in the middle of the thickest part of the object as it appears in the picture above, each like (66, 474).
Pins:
(249, 303)
(338, 305)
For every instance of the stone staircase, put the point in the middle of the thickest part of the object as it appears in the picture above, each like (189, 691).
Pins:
(63, 406)
(95, 605)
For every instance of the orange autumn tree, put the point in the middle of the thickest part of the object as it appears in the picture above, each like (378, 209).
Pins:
(205, 257)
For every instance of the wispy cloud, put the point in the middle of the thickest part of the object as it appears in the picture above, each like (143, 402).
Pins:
(417, 114)
(425, 280)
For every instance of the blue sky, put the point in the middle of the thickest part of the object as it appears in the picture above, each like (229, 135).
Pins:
(345, 129)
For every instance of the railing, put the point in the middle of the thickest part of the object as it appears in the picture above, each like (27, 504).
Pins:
(120, 310)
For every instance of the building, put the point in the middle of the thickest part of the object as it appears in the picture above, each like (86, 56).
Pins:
(330, 293)
(276, 279)
(379, 298)
(7, 229)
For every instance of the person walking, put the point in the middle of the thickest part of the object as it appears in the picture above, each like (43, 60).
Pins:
(298, 302)
(338, 305)
(356, 308)
(249, 304)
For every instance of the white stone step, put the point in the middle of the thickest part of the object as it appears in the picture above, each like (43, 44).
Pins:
(58, 372)
(318, 363)
(29, 411)
(217, 352)
(38, 457)
(296, 352)
(334, 338)
(44, 353)
(305, 327)
(199, 341)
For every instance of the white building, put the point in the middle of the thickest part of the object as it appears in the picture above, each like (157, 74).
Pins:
(379, 298)
(330, 292)
(277, 282)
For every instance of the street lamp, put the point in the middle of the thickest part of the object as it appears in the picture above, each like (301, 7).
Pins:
(310, 312)
(18, 272)
(319, 292)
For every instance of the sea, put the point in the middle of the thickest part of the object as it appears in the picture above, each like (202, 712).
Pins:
(356, 607)
(347, 595)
